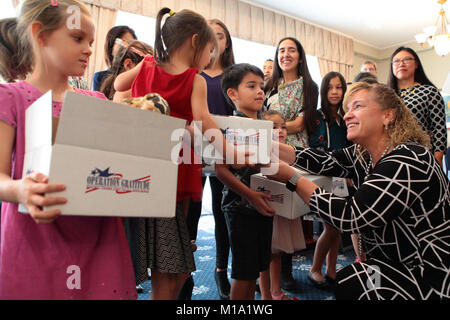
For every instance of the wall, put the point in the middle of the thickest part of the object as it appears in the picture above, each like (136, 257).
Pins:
(436, 67)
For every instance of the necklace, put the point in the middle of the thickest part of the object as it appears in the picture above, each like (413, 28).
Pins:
(371, 160)
(360, 250)
(405, 92)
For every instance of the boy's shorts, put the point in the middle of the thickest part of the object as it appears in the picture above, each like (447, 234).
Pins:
(251, 243)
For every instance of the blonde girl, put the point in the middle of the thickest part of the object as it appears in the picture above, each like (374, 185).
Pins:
(44, 255)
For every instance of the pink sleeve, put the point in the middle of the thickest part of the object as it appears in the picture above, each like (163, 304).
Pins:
(95, 94)
(8, 105)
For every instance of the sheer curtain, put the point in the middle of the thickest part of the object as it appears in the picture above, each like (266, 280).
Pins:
(104, 14)
(250, 22)
(104, 19)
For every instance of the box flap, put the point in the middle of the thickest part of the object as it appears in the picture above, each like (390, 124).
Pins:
(38, 123)
(104, 125)
(248, 134)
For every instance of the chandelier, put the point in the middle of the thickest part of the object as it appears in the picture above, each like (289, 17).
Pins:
(437, 36)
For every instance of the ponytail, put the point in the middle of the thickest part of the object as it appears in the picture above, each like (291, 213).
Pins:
(178, 28)
(161, 54)
(10, 67)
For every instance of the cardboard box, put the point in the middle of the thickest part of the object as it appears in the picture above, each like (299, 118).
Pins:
(114, 159)
(287, 203)
(245, 134)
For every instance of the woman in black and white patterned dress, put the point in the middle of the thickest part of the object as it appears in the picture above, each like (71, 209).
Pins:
(421, 96)
(401, 206)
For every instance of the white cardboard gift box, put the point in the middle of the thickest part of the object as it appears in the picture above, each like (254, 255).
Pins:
(245, 134)
(286, 203)
(115, 160)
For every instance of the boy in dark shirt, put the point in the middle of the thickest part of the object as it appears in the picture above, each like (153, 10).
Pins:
(249, 218)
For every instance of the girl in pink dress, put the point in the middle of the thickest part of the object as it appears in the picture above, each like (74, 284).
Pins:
(44, 255)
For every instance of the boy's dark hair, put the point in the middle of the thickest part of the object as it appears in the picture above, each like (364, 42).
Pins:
(233, 75)
(365, 77)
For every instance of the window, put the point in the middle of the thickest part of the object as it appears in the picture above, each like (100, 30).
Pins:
(8, 10)
(256, 53)
(144, 27)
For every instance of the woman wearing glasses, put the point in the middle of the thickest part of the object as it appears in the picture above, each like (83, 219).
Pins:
(408, 79)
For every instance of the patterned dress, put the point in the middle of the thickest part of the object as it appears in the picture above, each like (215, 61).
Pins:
(163, 244)
(427, 105)
(288, 99)
(401, 209)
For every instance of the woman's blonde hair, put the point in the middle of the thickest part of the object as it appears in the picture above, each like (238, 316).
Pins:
(51, 17)
(404, 128)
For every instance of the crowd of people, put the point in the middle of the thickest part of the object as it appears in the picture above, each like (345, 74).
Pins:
(386, 142)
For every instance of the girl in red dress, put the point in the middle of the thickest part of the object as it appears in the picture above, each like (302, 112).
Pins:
(183, 48)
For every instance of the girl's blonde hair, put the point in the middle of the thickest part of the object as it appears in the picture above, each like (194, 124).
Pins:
(404, 128)
(51, 17)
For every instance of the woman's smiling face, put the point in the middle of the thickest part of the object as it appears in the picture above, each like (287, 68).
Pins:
(288, 56)
(364, 119)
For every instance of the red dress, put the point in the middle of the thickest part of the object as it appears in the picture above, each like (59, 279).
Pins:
(176, 89)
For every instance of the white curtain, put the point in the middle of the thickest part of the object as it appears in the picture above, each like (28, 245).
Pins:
(256, 24)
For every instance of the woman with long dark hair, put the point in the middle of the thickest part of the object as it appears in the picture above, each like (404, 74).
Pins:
(123, 33)
(292, 91)
(407, 77)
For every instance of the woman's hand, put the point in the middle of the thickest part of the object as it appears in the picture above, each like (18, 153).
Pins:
(296, 125)
(32, 194)
(259, 201)
(284, 172)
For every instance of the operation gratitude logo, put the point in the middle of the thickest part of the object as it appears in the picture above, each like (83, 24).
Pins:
(105, 180)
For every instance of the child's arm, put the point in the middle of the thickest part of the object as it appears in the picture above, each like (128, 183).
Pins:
(124, 80)
(120, 95)
(257, 199)
(201, 113)
(283, 152)
(296, 125)
(29, 190)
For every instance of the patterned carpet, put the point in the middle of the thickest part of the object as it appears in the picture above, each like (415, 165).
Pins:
(205, 286)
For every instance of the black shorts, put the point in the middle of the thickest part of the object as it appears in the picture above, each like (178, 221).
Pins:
(251, 244)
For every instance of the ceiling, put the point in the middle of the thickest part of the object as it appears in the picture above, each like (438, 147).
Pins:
(378, 23)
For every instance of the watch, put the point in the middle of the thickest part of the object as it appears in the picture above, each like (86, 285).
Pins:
(292, 182)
